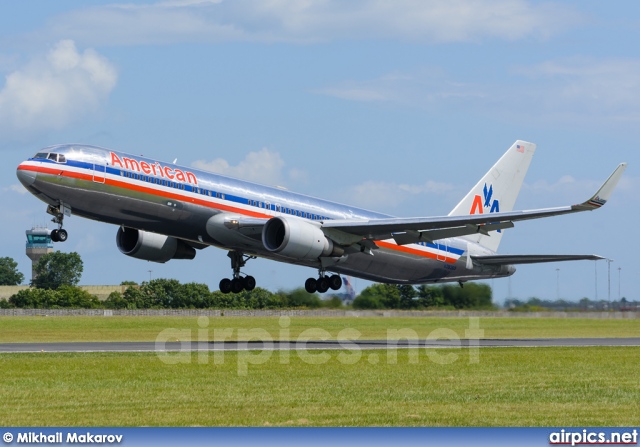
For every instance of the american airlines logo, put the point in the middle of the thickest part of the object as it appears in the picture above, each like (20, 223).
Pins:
(153, 169)
(478, 205)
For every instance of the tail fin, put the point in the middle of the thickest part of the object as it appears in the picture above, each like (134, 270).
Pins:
(497, 190)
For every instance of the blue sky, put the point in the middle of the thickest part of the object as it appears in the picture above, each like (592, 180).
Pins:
(397, 106)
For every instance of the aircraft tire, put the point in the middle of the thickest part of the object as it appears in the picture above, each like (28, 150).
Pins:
(311, 285)
(54, 236)
(335, 282)
(62, 235)
(237, 285)
(323, 284)
(249, 283)
(225, 285)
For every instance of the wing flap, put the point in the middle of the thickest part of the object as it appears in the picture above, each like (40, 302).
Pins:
(531, 259)
(411, 237)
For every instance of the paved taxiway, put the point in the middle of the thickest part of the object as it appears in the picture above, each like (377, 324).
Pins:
(313, 344)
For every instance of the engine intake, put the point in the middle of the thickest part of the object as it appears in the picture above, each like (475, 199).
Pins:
(152, 246)
(297, 239)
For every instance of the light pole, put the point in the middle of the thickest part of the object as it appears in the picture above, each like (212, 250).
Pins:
(558, 284)
(595, 270)
(609, 261)
(150, 271)
(619, 274)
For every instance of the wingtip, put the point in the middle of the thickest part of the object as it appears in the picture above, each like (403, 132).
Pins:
(603, 194)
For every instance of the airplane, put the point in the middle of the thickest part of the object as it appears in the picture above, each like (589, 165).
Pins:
(165, 211)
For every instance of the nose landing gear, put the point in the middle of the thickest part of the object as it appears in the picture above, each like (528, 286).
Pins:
(58, 213)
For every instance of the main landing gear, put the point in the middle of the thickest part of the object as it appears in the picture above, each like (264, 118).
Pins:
(323, 283)
(238, 283)
(59, 235)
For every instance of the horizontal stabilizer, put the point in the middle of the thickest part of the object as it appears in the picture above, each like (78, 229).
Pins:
(531, 259)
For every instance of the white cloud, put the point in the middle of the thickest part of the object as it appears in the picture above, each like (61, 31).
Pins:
(608, 88)
(387, 195)
(312, 21)
(15, 188)
(568, 189)
(424, 88)
(262, 166)
(55, 90)
(573, 90)
(18, 189)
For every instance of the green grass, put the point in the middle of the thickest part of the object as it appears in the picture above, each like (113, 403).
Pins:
(43, 329)
(594, 386)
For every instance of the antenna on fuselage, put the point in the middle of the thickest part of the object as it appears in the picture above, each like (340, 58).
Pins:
(175, 161)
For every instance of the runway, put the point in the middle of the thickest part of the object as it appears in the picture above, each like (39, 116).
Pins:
(310, 345)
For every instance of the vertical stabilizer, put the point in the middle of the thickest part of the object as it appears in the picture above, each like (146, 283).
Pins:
(497, 190)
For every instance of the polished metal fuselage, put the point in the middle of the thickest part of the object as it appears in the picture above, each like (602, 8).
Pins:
(141, 193)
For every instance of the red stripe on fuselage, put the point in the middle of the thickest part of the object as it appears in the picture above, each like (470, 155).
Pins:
(143, 189)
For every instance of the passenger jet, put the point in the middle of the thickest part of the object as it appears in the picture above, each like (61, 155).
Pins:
(165, 212)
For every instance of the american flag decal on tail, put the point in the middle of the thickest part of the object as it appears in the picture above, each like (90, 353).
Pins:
(520, 148)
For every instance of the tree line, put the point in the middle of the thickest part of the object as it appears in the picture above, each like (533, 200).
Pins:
(534, 304)
(58, 274)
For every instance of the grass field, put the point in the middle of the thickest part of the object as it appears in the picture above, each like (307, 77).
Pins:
(584, 386)
(595, 386)
(40, 329)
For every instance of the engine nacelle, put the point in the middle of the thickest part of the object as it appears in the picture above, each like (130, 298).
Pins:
(297, 239)
(151, 246)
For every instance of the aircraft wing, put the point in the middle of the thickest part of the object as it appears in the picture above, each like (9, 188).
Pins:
(412, 230)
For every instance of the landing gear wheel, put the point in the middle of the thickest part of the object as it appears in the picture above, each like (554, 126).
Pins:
(237, 285)
(249, 283)
(323, 284)
(58, 212)
(335, 282)
(311, 285)
(62, 235)
(225, 285)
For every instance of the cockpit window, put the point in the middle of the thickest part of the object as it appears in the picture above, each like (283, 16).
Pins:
(58, 158)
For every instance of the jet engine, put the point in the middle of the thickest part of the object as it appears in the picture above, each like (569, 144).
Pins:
(152, 246)
(297, 239)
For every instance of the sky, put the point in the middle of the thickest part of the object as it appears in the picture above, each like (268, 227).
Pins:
(395, 106)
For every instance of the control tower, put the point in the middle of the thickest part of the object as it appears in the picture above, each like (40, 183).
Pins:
(38, 244)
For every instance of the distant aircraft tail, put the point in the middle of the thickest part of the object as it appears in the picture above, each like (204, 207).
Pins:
(497, 190)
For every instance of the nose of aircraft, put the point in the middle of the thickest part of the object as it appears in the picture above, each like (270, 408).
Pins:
(26, 177)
